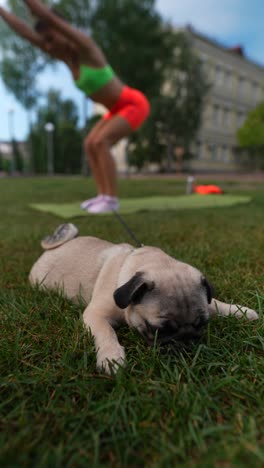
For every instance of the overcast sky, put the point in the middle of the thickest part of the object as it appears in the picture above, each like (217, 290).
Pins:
(230, 22)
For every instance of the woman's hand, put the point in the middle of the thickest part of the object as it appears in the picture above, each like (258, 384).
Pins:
(78, 38)
(2, 12)
(21, 28)
(37, 8)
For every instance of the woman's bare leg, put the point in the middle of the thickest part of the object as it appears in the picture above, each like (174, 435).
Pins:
(92, 157)
(114, 130)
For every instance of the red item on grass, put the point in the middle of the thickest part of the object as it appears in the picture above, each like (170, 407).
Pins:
(208, 189)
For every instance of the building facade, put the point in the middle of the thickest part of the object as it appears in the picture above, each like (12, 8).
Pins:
(236, 87)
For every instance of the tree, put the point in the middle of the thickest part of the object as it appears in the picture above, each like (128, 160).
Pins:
(21, 65)
(251, 134)
(67, 137)
(1, 161)
(18, 159)
(176, 110)
(78, 12)
(134, 40)
(131, 34)
(251, 138)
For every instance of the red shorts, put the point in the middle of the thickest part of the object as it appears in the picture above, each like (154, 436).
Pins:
(132, 105)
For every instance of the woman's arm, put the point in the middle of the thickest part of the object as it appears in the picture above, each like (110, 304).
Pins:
(21, 28)
(81, 39)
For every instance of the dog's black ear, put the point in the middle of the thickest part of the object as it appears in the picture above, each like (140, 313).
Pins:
(132, 291)
(209, 289)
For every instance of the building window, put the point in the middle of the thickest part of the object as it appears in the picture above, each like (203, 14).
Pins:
(228, 79)
(227, 118)
(240, 119)
(199, 150)
(241, 86)
(203, 64)
(253, 91)
(207, 115)
(219, 76)
(217, 115)
(225, 154)
(258, 93)
(212, 149)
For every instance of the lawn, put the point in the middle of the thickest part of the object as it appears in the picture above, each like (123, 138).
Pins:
(199, 407)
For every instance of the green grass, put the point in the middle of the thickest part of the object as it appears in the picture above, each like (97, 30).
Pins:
(202, 407)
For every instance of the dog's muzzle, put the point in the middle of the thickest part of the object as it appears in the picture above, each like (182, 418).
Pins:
(172, 331)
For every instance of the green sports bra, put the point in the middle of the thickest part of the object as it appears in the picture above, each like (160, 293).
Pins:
(93, 79)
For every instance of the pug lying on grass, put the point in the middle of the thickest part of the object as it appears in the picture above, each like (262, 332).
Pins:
(163, 298)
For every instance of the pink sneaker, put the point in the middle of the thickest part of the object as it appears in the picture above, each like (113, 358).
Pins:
(105, 205)
(87, 203)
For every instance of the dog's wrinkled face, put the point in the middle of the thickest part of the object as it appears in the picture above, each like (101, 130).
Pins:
(171, 306)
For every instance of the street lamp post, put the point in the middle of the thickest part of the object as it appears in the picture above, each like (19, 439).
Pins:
(49, 127)
(11, 112)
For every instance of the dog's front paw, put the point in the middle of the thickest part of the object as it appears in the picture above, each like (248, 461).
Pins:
(250, 314)
(110, 357)
(221, 308)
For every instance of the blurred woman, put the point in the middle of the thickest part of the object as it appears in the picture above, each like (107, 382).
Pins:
(127, 108)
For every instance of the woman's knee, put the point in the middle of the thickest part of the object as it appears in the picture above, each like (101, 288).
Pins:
(89, 147)
(94, 145)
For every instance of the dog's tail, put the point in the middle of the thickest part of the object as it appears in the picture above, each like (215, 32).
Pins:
(63, 233)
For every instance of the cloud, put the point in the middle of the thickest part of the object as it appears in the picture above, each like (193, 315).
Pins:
(212, 17)
(228, 21)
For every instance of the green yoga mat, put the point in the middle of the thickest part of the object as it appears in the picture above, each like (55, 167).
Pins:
(133, 205)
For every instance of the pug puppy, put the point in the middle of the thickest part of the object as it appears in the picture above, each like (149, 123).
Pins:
(161, 297)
